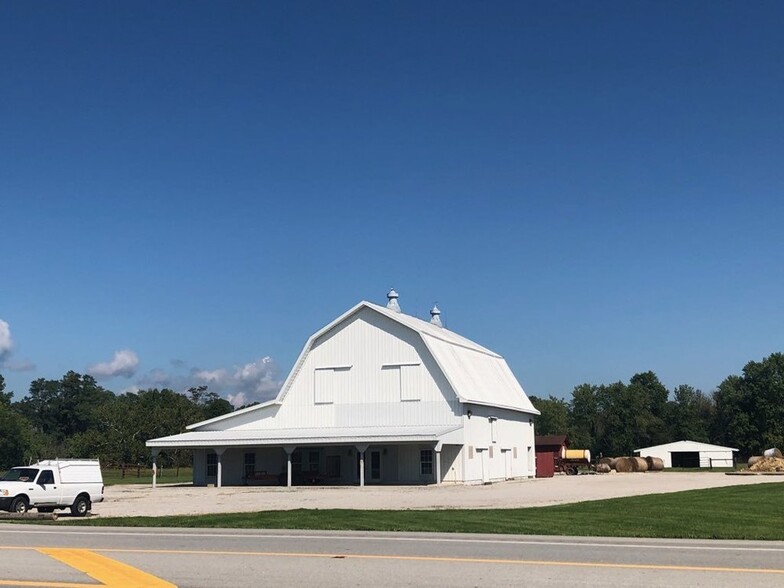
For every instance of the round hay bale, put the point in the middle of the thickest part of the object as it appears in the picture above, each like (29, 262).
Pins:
(768, 464)
(624, 465)
(754, 459)
(603, 468)
(773, 452)
(639, 464)
(655, 464)
(607, 460)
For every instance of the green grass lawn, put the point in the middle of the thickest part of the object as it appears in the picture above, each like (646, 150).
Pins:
(135, 475)
(739, 512)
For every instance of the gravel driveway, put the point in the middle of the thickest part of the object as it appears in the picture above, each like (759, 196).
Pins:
(179, 500)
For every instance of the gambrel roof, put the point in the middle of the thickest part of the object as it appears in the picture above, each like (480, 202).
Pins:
(476, 374)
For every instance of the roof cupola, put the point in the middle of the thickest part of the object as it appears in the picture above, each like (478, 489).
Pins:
(435, 316)
(392, 297)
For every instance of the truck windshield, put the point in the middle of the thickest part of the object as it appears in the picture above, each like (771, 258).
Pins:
(20, 475)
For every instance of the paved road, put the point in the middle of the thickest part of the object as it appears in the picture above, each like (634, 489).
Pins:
(61, 557)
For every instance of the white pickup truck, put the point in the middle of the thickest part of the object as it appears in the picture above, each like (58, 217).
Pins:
(51, 484)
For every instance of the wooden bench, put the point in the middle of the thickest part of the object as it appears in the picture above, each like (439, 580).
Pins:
(261, 478)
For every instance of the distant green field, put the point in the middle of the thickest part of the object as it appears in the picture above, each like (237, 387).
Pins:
(134, 475)
(739, 512)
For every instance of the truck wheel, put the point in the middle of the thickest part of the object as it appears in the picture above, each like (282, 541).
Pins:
(20, 505)
(80, 507)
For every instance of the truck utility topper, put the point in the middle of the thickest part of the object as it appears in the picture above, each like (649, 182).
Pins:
(53, 484)
(75, 471)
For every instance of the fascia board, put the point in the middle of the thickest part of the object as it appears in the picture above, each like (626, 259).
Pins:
(513, 408)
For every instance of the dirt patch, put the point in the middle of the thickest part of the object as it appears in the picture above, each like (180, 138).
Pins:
(183, 500)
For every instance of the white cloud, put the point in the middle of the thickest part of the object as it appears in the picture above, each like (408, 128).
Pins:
(259, 378)
(241, 384)
(124, 363)
(156, 378)
(211, 377)
(20, 366)
(237, 400)
(6, 342)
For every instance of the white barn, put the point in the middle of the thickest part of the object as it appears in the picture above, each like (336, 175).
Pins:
(376, 396)
(690, 454)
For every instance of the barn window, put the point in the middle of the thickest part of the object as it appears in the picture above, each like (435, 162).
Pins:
(313, 461)
(328, 382)
(404, 380)
(212, 465)
(250, 464)
(296, 462)
(426, 462)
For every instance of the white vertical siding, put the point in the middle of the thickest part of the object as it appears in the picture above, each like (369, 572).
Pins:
(392, 380)
(511, 430)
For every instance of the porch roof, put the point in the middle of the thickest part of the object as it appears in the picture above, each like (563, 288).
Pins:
(314, 436)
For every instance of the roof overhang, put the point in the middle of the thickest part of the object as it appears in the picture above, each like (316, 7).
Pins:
(302, 437)
(513, 408)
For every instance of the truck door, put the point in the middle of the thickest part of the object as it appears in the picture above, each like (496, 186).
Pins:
(46, 489)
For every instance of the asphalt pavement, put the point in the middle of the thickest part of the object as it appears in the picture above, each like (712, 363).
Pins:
(67, 557)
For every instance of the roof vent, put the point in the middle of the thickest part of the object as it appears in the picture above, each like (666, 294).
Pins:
(435, 316)
(392, 297)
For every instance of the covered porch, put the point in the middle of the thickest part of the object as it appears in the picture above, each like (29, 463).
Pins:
(401, 455)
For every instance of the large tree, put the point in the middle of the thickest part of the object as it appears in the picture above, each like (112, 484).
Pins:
(554, 419)
(690, 415)
(62, 408)
(750, 408)
(15, 434)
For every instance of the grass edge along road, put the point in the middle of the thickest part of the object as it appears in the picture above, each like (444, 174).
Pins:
(735, 512)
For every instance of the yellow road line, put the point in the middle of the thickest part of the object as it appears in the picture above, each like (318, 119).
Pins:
(108, 571)
(527, 562)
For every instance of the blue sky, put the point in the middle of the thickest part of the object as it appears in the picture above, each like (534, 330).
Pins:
(592, 190)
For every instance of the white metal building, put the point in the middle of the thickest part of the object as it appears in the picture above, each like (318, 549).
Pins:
(376, 396)
(690, 454)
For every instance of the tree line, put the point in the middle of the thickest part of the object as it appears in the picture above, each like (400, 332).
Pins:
(76, 417)
(745, 411)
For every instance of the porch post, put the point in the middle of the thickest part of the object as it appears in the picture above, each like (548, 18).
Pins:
(219, 453)
(289, 449)
(438, 447)
(361, 450)
(154, 453)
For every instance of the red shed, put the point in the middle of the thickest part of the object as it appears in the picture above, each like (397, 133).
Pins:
(548, 448)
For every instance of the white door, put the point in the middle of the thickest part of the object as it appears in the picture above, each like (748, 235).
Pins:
(46, 491)
(485, 465)
(508, 465)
